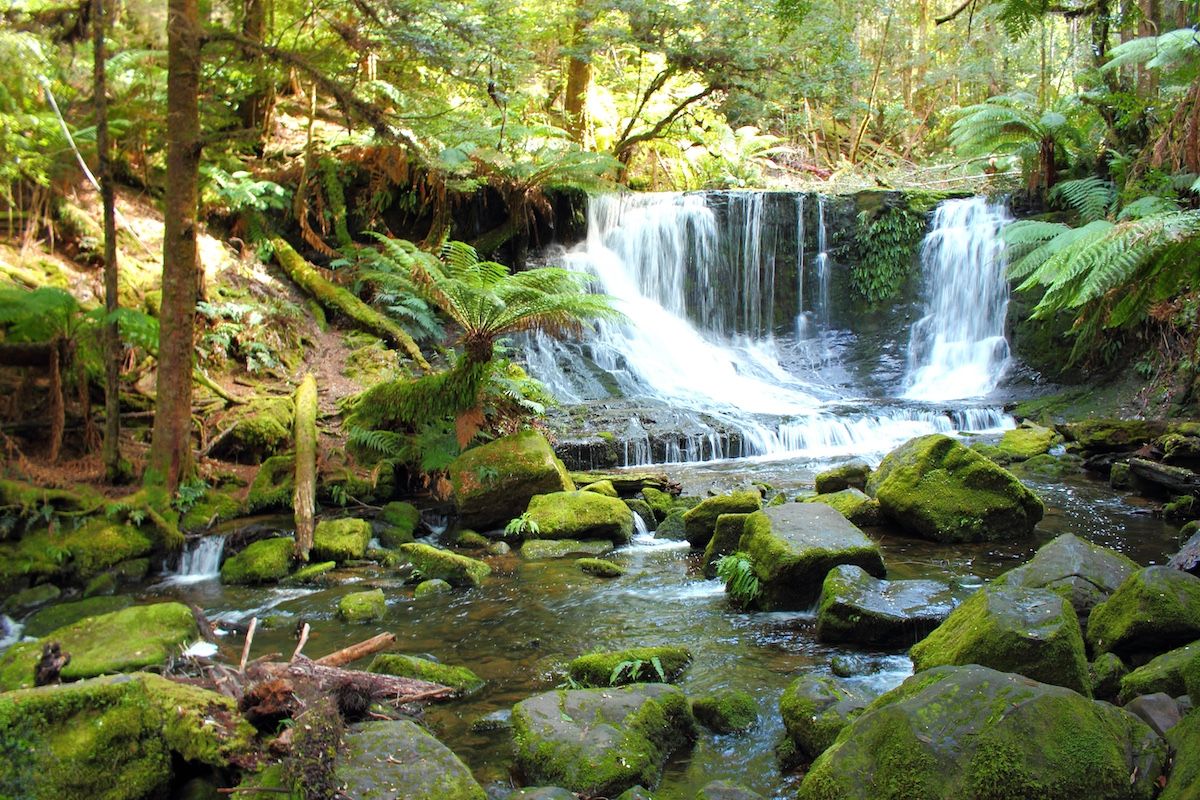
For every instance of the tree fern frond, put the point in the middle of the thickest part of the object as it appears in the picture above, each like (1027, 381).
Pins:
(1091, 198)
(1147, 206)
(37, 315)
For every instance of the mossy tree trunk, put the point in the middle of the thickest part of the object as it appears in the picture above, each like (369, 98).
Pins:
(304, 500)
(170, 459)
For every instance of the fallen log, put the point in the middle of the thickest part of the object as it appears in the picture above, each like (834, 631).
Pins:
(354, 652)
(304, 498)
(310, 678)
(1174, 480)
(335, 298)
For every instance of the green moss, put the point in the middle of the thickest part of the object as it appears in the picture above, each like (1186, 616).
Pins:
(338, 482)
(1021, 444)
(852, 504)
(217, 505)
(850, 475)
(672, 527)
(815, 709)
(129, 639)
(700, 522)
(31, 598)
(455, 569)
(367, 606)
(470, 540)
(580, 515)
(660, 502)
(726, 535)
(432, 587)
(1110, 435)
(258, 430)
(535, 549)
(1154, 610)
(1191, 680)
(273, 485)
(729, 711)
(462, 680)
(310, 573)
(103, 584)
(493, 483)
(604, 487)
(264, 561)
(341, 539)
(398, 523)
(1163, 674)
(940, 489)
(600, 567)
(597, 669)
(1107, 672)
(63, 614)
(1184, 780)
(1033, 632)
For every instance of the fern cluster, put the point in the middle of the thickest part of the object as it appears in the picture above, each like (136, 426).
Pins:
(741, 584)
(887, 244)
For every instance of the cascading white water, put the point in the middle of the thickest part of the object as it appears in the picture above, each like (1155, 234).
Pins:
(201, 560)
(663, 260)
(801, 320)
(958, 349)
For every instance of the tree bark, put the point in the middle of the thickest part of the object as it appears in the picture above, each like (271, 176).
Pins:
(354, 652)
(304, 500)
(170, 458)
(579, 78)
(311, 678)
(111, 450)
(255, 108)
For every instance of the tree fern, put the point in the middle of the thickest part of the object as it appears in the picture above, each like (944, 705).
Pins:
(1091, 198)
(38, 315)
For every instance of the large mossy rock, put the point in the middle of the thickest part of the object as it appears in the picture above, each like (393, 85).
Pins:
(635, 665)
(852, 474)
(1113, 435)
(1166, 674)
(260, 429)
(939, 489)
(455, 569)
(580, 515)
(462, 680)
(273, 485)
(493, 483)
(815, 708)
(1025, 442)
(700, 522)
(340, 539)
(1156, 609)
(792, 548)
(399, 760)
(397, 523)
(1184, 780)
(1083, 573)
(114, 738)
(853, 504)
(971, 733)
(61, 615)
(859, 609)
(264, 561)
(727, 535)
(366, 606)
(600, 742)
(1033, 632)
(121, 641)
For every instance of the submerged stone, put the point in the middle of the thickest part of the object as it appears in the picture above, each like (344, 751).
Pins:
(399, 760)
(493, 483)
(580, 515)
(971, 733)
(700, 522)
(938, 489)
(726, 790)
(431, 587)
(857, 608)
(792, 548)
(455, 569)
(633, 665)
(600, 567)
(1033, 632)
(600, 742)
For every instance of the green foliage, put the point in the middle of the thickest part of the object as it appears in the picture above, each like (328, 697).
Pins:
(1091, 198)
(632, 671)
(38, 315)
(737, 572)
(522, 526)
(261, 336)
(188, 494)
(887, 244)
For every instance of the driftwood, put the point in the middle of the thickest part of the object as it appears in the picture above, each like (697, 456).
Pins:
(308, 677)
(354, 652)
(304, 498)
(1174, 480)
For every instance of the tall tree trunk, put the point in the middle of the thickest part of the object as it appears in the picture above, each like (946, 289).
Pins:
(255, 109)
(170, 458)
(304, 497)
(579, 77)
(111, 451)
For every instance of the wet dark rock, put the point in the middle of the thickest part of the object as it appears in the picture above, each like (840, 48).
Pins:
(1188, 557)
(399, 760)
(1158, 710)
(857, 608)
(1164, 673)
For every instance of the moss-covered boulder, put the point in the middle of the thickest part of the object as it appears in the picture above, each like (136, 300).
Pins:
(340, 539)
(600, 742)
(726, 711)
(273, 485)
(455, 569)
(1162, 674)
(815, 708)
(1184, 781)
(793, 547)
(258, 430)
(853, 504)
(431, 587)
(537, 549)
(1083, 573)
(604, 487)
(634, 665)
(315, 573)
(121, 641)
(462, 680)
(493, 483)
(1191, 680)
(215, 505)
(580, 515)
(1154, 610)
(851, 474)
(1025, 442)
(700, 522)
(672, 527)
(367, 606)
(641, 510)
(470, 540)
(660, 502)
(601, 568)
(971, 733)
(264, 561)
(1113, 435)
(1107, 672)
(400, 760)
(26, 600)
(61, 615)
(1033, 632)
(114, 738)
(859, 609)
(726, 535)
(397, 523)
(939, 489)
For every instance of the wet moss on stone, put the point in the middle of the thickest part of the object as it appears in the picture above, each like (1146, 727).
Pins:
(727, 711)
(462, 680)
(701, 522)
(601, 669)
(455, 569)
(264, 561)
(367, 606)
(341, 539)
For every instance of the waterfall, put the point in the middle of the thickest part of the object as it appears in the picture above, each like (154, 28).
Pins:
(957, 349)
(801, 319)
(696, 359)
(201, 560)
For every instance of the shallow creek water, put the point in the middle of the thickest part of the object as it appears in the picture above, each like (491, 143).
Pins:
(531, 617)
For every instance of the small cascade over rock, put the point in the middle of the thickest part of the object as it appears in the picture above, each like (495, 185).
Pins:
(201, 560)
(958, 349)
